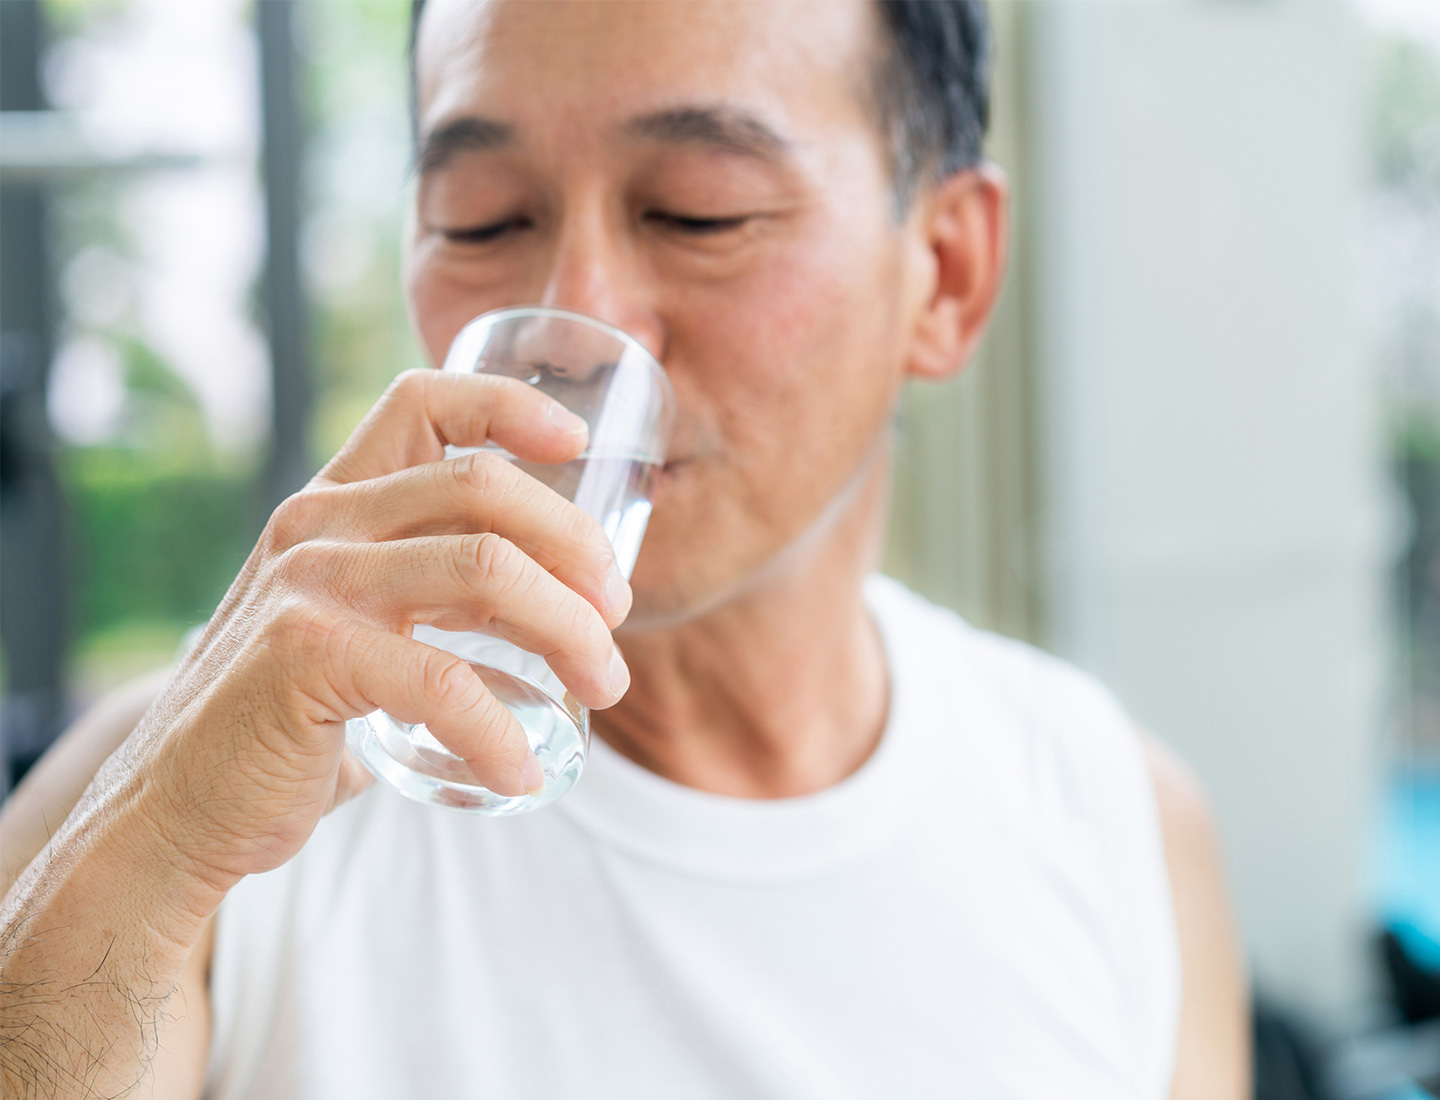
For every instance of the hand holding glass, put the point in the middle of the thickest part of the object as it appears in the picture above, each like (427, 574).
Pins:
(608, 379)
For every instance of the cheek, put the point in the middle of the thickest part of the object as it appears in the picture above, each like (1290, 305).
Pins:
(445, 293)
(798, 364)
(436, 310)
(811, 357)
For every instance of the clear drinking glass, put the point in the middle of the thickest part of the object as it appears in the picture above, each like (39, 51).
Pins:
(609, 379)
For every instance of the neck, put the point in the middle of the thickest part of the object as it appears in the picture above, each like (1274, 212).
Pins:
(780, 690)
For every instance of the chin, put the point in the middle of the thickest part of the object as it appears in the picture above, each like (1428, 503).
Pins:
(677, 581)
(689, 561)
(685, 571)
(672, 591)
(703, 550)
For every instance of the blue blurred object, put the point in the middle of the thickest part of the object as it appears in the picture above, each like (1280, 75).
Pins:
(1407, 864)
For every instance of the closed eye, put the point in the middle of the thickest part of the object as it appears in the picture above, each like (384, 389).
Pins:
(481, 234)
(697, 226)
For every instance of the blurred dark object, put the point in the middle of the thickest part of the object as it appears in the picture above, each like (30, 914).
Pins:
(288, 466)
(1288, 1057)
(34, 619)
(1399, 1058)
(1395, 1063)
(1414, 987)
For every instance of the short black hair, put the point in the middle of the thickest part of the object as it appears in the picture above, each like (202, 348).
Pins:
(931, 86)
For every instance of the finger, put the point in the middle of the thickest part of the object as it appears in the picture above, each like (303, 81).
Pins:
(372, 669)
(424, 410)
(485, 582)
(482, 493)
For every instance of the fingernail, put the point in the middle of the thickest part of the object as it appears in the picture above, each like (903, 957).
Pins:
(533, 774)
(566, 420)
(617, 676)
(617, 591)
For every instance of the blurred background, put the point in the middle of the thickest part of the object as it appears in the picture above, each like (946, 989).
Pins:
(1199, 456)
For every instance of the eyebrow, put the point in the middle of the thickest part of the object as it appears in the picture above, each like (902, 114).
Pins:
(724, 129)
(463, 135)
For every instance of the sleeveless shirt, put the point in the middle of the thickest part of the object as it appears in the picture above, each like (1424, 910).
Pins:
(981, 910)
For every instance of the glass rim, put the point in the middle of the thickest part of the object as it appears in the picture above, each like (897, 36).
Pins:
(465, 356)
(506, 313)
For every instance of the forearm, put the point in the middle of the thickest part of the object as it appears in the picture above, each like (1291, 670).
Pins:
(93, 939)
(52, 788)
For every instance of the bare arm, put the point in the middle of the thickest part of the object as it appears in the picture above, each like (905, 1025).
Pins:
(1212, 1060)
(104, 934)
(29, 818)
(35, 809)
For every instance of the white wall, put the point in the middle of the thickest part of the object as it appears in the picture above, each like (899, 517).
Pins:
(1211, 488)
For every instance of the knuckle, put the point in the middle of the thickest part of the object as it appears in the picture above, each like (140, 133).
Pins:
(303, 561)
(492, 560)
(482, 474)
(342, 641)
(294, 521)
(448, 682)
(298, 628)
(410, 385)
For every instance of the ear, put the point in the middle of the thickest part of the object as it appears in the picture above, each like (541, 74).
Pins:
(963, 227)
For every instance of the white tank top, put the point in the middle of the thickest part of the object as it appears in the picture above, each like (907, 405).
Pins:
(982, 910)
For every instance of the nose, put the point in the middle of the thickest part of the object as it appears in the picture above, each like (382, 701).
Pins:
(593, 271)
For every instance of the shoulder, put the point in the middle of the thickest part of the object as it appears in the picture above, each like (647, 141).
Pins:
(1212, 1052)
(1186, 819)
(1157, 835)
(1062, 769)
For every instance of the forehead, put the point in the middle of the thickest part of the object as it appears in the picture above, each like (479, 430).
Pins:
(580, 64)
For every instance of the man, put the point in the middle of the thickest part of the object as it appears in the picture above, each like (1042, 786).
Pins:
(831, 842)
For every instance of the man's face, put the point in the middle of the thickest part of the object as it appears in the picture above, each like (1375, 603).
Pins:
(709, 177)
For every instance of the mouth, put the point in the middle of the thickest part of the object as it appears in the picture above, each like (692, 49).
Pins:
(673, 464)
(663, 476)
